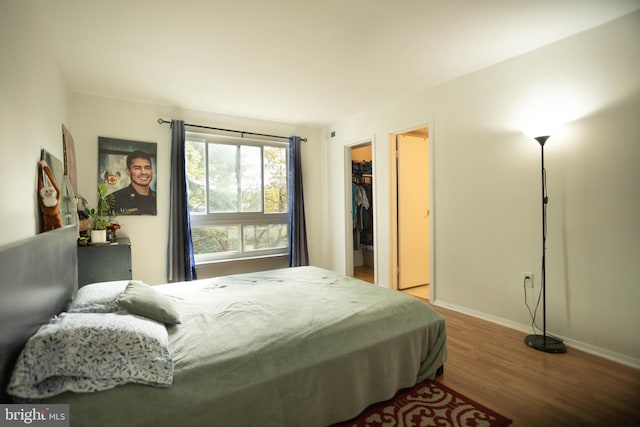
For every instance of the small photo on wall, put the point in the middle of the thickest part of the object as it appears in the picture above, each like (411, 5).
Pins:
(129, 169)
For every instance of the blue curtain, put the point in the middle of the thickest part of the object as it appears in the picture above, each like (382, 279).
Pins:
(181, 264)
(298, 251)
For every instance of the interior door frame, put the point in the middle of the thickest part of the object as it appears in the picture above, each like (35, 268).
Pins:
(393, 205)
(348, 214)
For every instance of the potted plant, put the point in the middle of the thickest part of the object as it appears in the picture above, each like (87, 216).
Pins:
(101, 215)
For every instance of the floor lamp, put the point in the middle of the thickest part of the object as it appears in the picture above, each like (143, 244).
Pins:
(544, 342)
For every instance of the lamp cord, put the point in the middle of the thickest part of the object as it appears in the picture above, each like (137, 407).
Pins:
(532, 312)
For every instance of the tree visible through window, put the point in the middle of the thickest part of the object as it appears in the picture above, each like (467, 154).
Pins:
(237, 196)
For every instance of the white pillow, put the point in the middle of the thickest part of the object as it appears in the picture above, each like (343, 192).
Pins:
(87, 352)
(98, 297)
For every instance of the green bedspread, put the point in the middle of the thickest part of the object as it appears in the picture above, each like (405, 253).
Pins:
(291, 347)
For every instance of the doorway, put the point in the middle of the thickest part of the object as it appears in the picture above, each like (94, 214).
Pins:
(361, 251)
(410, 206)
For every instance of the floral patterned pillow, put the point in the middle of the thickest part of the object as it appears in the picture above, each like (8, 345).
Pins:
(98, 297)
(87, 352)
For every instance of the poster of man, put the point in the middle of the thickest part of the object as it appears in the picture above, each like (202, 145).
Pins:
(129, 170)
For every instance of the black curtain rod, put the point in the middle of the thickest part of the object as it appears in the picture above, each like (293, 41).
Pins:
(163, 121)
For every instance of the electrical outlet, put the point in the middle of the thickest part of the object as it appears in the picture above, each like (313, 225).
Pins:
(527, 280)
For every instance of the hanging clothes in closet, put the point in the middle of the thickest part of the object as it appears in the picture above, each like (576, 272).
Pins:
(362, 205)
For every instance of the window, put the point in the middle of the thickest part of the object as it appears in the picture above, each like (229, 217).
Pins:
(237, 196)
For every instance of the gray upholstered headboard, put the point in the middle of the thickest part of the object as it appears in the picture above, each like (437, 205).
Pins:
(38, 278)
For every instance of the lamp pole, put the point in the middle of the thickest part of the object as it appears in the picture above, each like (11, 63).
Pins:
(543, 342)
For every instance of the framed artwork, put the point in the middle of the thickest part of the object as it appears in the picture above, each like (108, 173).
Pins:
(129, 171)
(55, 165)
(69, 151)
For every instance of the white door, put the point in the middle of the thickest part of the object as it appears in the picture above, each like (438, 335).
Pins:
(413, 211)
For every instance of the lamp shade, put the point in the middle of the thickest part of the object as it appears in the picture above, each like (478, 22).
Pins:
(547, 126)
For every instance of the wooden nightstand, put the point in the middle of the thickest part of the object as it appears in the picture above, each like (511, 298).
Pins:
(101, 263)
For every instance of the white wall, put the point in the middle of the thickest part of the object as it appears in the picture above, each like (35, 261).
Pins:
(487, 187)
(96, 116)
(34, 103)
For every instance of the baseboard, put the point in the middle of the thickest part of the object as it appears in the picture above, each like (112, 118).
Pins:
(578, 345)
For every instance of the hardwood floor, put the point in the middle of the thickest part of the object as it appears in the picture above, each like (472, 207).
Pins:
(491, 364)
(422, 292)
(364, 272)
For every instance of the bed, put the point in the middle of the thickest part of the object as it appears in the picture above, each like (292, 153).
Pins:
(288, 347)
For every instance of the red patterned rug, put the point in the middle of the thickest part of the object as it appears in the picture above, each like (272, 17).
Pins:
(428, 404)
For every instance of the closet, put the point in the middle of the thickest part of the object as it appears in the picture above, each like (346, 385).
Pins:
(362, 212)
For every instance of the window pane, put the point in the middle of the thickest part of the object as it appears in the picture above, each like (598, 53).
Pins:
(216, 239)
(275, 180)
(196, 176)
(251, 182)
(223, 178)
(237, 197)
(266, 236)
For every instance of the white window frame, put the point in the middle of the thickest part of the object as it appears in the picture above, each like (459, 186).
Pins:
(237, 218)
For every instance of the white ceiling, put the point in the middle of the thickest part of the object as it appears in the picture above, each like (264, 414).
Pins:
(296, 61)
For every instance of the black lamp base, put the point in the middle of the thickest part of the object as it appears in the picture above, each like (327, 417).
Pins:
(545, 343)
